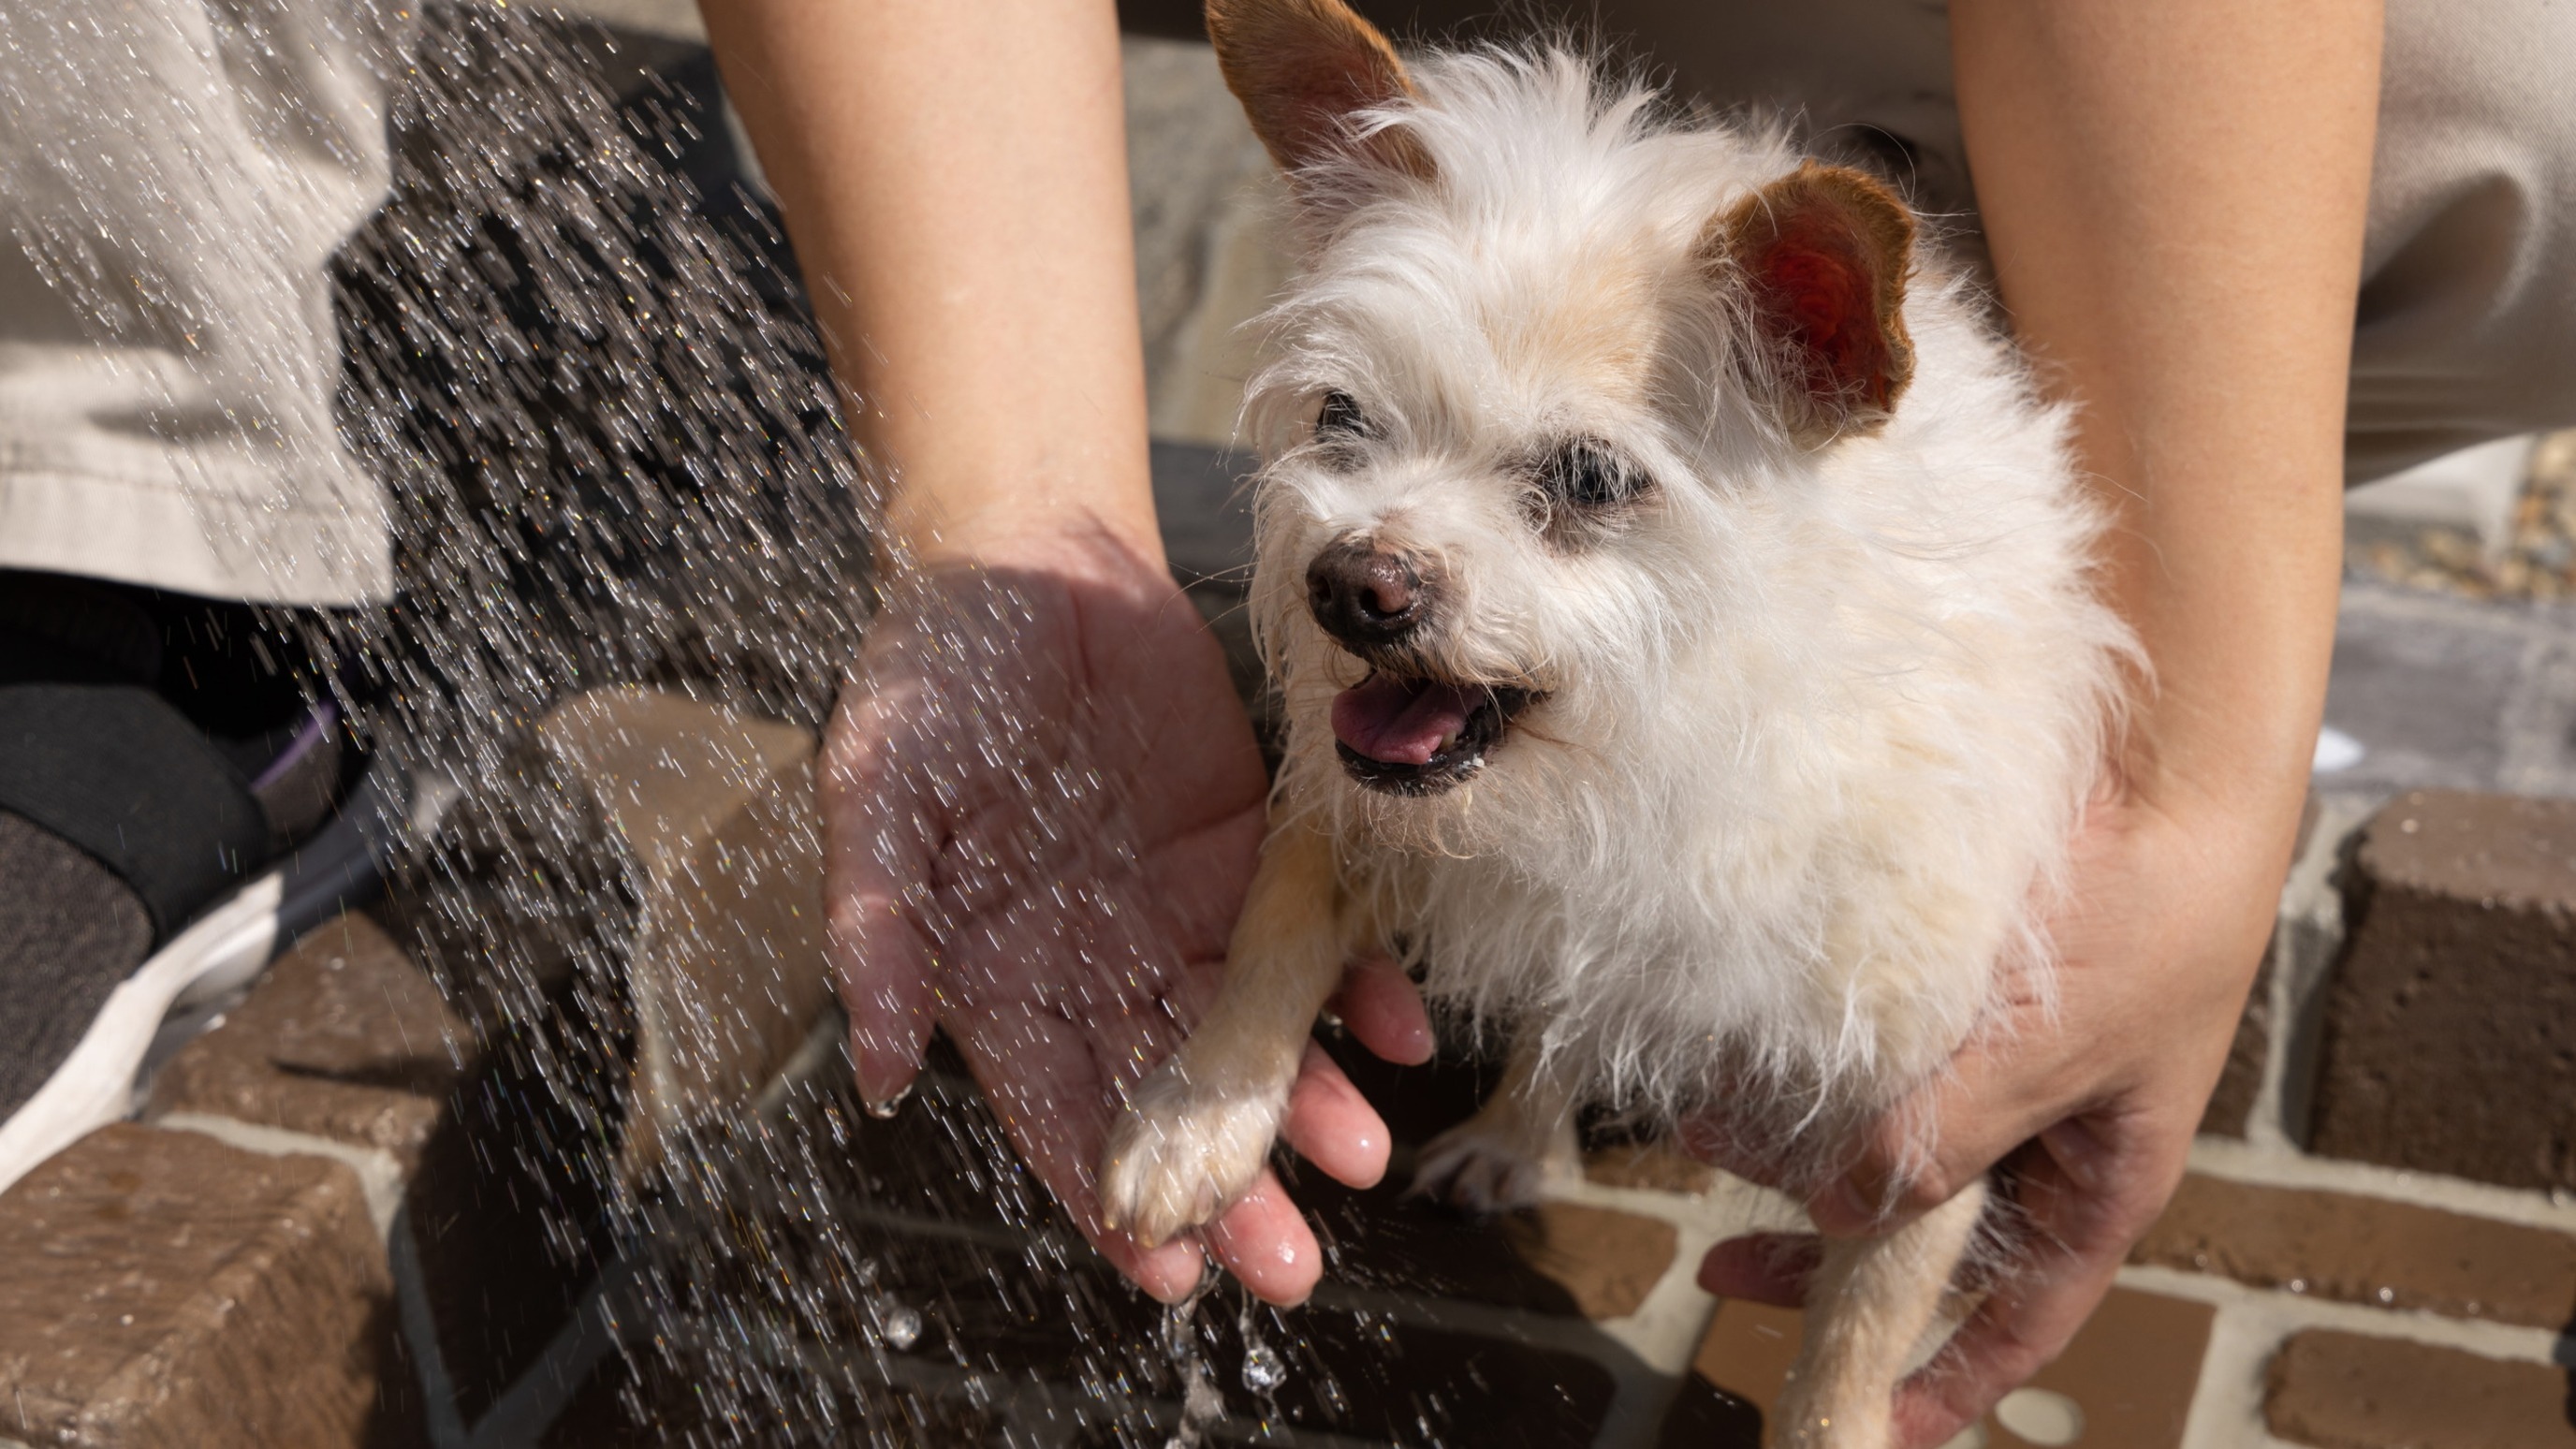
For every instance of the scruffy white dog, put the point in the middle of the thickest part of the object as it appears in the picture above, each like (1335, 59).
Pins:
(1682, 610)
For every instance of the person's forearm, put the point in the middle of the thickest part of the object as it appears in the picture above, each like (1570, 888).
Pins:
(954, 177)
(2175, 196)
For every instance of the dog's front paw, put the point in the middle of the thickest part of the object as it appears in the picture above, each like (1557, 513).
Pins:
(1479, 1169)
(1180, 1153)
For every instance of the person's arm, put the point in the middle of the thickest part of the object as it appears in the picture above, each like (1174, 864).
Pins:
(953, 174)
(955, 182)
(2175, 196)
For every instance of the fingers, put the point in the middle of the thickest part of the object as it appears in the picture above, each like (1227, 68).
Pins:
(879, 844)
(1920, 1153)
(2002, 1344)
(1382, 1007)
(1168, 1274)
(1771, 1268)
(2086, 1188)
(1263, 1241)
(1039, 1074)
(2079, 1237)
(1332, 1126)
(881, 967)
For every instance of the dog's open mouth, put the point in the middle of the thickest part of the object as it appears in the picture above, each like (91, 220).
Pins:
(1417, 736)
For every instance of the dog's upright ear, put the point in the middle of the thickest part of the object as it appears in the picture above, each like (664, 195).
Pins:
(1303, 69)
(1820, 257)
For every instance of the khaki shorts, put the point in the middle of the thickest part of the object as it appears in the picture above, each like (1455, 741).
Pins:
(185, 169)
(2466, 324)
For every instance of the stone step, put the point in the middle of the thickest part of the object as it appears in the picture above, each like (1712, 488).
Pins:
(2449, 1023)
(160, 1288)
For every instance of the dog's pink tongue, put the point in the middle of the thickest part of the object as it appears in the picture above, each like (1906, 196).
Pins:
(1398, 721)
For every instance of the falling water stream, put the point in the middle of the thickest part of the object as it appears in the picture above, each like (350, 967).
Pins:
(577, 359)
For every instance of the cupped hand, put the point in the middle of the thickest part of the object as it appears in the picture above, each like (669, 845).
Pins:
(2091, 1107)
(1043, 803)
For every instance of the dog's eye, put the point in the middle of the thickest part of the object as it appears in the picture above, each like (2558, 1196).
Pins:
(1340, 418)
(1586, 474)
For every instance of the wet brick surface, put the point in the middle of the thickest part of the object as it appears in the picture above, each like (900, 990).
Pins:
(159, 1288)
(344, 1038)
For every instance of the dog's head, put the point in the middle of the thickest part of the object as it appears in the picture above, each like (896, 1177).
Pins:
(1555, 387)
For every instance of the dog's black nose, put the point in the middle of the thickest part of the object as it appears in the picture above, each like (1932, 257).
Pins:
(1366, 596)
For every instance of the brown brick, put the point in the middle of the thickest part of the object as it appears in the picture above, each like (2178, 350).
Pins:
(343, 1038)
(2449, 1039)
(2231, 1102)
(726, 972)
(1653, 1165)
(2367, 1250)
(2347, 1391)
(709, 816)
(1607, 1260)
(1748, 1352)
(162, 1289)
(2131, 1371)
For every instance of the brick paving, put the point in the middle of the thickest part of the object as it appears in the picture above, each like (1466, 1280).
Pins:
(2278, 1288)
(2354, 1391)
(162, 1288)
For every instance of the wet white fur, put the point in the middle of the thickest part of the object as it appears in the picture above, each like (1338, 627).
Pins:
(1819, 720)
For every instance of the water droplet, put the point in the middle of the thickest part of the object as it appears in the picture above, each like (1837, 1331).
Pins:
(1263, 1368)
(886, 1109)
(900, 1325)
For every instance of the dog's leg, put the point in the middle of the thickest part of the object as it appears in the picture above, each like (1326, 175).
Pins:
(1494, 1161)
(1871, 1301)
(1196, 1132)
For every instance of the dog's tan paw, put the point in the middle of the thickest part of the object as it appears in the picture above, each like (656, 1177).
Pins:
(1180, 1154)
(1477, 1169)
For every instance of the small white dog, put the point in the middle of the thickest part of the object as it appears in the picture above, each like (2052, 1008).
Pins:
(1682, 609)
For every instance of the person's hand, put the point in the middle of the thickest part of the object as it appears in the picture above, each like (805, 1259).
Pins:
(1043, 804)
(2091, 1108)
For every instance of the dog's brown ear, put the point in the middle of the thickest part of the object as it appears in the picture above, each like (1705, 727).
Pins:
(1301, 69)
(1822, 257)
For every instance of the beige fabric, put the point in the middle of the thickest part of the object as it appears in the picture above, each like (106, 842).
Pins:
(191, 164)
(182, 170)
(2466, 327)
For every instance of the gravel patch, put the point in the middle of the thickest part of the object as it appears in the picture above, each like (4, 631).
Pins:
(2539, 563)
